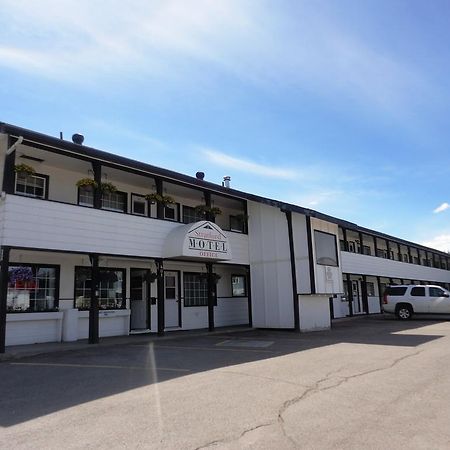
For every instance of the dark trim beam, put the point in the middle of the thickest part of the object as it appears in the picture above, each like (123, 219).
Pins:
(350, 295)
(160, 295)
(249, 298)
(159, 205)
(293, 270)
(97, 169)
(9, 174)
(211, 286)
(93, 309)
(5, 251)
(312, 276)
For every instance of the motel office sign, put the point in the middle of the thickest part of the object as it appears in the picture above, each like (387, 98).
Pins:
(200, 240)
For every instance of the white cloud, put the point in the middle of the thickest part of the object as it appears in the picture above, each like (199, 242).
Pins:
(441, 208)
(242, 165)
(439, 242)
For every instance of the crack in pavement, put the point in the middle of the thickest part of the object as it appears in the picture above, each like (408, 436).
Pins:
(311, 390)
(315, 388)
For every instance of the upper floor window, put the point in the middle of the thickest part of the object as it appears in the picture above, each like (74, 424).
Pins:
(139, 205)
(237, 223)
(171, 212)
(86, 196)
(191, 215)
(326, 249)
(114, 201)
(35, 185)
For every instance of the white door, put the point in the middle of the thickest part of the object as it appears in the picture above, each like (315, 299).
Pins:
(439, 302)
(171, 302)
(356, 297)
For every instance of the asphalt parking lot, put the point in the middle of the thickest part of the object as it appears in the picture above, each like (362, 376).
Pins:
(368, 383)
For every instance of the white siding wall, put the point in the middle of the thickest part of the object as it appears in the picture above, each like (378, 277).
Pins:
(49, 225)
(271, 267)
(301, 253)
(370, 265)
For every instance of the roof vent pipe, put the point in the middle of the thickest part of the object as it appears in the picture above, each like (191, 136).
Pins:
(226, 181)
(77, 138)
(200, 175)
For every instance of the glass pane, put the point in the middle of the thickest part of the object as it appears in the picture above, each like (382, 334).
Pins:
(326, 252)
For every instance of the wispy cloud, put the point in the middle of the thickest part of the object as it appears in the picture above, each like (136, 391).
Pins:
(439, 242)
(243, 165)
(85, 41)
(441, 208)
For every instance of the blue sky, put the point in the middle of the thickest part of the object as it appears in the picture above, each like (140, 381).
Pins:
(339, 106)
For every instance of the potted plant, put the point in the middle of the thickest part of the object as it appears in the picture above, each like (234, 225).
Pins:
(87, 182)
(107, 186)
(158, 198)
(21, 277)
(24, 169)
(151, 277)
(204, 210)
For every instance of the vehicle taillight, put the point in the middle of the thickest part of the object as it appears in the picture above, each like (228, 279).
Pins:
(385, 299)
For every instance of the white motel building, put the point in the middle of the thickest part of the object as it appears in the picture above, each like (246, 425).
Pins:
(94, 244)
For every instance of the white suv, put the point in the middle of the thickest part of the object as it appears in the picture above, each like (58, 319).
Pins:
(406, 300)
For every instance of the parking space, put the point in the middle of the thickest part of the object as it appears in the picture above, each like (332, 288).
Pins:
(248, 389)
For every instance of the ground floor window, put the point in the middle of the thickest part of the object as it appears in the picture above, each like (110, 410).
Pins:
(32, 288)
(195, 289)
(111, 288)
(239, 285)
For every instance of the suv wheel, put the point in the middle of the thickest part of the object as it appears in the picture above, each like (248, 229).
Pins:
(404, 312)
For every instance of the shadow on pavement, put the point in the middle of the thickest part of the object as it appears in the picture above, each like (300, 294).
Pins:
(36, 386)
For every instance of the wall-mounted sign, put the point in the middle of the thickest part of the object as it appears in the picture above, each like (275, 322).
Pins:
(199, 240)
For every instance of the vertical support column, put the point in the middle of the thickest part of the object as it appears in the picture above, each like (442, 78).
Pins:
(361, 243)
(249, 298)
(399, 254)
(312, 276)
(159, 205)
(350, 295)
(97, 168)
(9, 173)
(160, 295)
(293, 268)
(365, 296)
(344, 235)
(5, 251)
(388, 246)
(410, 259)
(380, 294)
(375, 246)
(211, 295)
(93, 309)
(208, 215)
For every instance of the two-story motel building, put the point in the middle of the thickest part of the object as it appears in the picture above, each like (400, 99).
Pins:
(81, 260)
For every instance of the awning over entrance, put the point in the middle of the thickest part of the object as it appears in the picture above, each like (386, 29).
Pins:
(202, 240)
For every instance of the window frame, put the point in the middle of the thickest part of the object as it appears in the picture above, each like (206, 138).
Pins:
(124, 287)
(125, 197)
(199, 217)
(57, 268)
(176, 208)
(245, 294)
(335, 249)
(201, 276)
(78, 197)
(243, 229)
(35, 175)
(147, 205)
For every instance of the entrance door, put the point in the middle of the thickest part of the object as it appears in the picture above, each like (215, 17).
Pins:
(139, 300)
(356, 297)
(171, 303)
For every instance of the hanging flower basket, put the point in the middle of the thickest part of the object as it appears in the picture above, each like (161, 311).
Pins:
(203, 210)
(107, 186)
(151, 277)
(24, 169)
(157, 198)
(86, 182)
(20, 274)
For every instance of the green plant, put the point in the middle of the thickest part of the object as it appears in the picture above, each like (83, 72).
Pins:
(24, 169)
(107, 186)
(204, 209)
(86, 182)
(158, 198)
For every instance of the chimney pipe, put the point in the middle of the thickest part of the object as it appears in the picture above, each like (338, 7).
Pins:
(226, 181)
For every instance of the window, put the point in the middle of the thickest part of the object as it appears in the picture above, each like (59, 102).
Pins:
(86, 196)
(171, 212)
(351, 246)
(195, 289)
(436, 292)
(367, 250)
(32, 288)
(114, 201)
(326, 249)
(418, 291)
(35, 185)
(239, 285)
(190, 215)
(395, 291)
(382, 253)
(237, 223)
(342, 245)
(370, 289)
(111, 288)
(139, 205)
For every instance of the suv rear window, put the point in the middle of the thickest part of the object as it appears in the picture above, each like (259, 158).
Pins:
(395, 291)
(418, 291)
